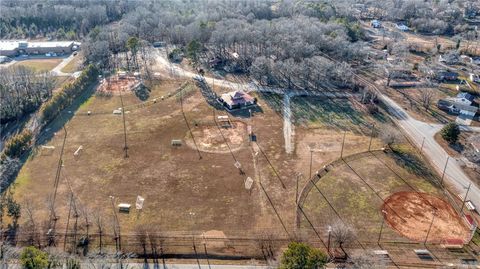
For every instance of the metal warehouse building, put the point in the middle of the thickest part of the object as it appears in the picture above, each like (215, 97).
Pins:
(14, 48)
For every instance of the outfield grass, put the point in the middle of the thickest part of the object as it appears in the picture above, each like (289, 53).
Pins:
(40, 65)
(353, 198)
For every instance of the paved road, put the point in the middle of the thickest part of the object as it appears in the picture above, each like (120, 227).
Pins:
(57, 71)
(417, 132)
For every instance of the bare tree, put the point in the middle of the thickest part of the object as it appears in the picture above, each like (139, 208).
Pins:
(267, 245)
(426, 96)
(390, 136)
(342, 234)
(366, 260)
(30, 229)
(100, 228)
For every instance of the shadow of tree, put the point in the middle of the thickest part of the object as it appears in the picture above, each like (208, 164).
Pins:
(142, 92)
(411, 163)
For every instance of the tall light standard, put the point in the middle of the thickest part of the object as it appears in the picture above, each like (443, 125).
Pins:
(329, 235)
(343, 144)
(371, 137)
(311, 160)
(444, 169)
(465, 198)
(384, 213)
(192, 215)
(430, 228)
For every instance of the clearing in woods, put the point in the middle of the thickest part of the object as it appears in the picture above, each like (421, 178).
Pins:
(188, 191)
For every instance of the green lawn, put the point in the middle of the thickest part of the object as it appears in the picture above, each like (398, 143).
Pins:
(73, 66)
(40, 65)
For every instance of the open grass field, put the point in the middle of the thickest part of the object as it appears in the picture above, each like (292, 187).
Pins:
(201, 191)
(74, 65)
(356, 191)
(40, 65)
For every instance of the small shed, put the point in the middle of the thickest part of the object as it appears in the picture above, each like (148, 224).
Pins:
(122, 74)
(124, 207)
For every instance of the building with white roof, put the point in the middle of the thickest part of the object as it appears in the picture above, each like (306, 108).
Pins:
(18, 47)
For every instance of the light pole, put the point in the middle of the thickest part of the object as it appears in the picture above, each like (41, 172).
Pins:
(421, 148)
(465, 198)
(329, 235)
(444, 169)
(429, 228)
(192, 215)
(371, 137)
(311, 160)
(384, 213)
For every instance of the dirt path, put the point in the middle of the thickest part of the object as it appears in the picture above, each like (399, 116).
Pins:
(288, 131)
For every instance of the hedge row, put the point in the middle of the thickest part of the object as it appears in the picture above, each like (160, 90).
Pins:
(17, 145)
(67, 94)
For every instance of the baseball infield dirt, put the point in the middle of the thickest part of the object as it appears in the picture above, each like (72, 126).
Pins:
(411, 214)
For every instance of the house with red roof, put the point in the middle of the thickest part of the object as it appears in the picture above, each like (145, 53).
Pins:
(237, 99)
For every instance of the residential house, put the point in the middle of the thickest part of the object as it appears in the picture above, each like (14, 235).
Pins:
(376, 24)
(449, 58)
(464, 98)
(402, 27)
(4, 59)
(447, 76)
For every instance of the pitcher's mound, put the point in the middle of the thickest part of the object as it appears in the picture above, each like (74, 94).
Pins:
(411, 213)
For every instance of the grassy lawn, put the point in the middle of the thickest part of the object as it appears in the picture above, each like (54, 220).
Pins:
(40, 65)
(355, 201)
(73, 65)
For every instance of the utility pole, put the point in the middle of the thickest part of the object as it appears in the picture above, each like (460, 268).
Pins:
(192, 215)
(444, 169)
(371, 137)
(465, 198)
(329, 235)
(296, 191)
(343, 144)
(125, 147)
(311, 160)
(421, 148)
(116, 226)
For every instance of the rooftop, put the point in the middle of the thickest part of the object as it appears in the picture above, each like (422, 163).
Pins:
(14, 44)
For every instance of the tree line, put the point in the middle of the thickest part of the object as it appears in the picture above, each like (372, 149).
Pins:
(67, 94)
(22, 91)
(288, 37)
(56, 18)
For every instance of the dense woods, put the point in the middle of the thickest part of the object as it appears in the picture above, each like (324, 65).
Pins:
(55, 18)
(22, 91)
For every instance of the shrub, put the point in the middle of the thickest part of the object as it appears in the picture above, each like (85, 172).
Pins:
(17, 145)
(450, 132)
(33, 258)
(300, 255)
